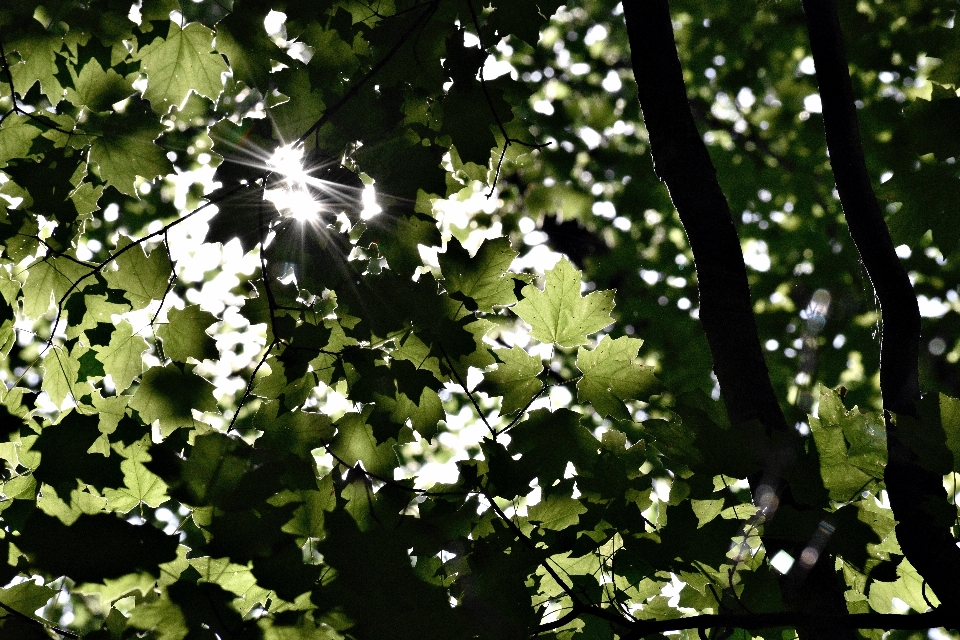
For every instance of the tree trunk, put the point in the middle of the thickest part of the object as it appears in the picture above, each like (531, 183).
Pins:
(682, 162)
(916, 491)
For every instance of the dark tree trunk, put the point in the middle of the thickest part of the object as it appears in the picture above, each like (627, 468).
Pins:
(682, 162)
(916, 491)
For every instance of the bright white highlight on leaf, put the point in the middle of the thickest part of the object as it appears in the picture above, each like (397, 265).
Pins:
(370, 206)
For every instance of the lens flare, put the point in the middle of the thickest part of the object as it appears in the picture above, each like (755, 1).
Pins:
(292, 195)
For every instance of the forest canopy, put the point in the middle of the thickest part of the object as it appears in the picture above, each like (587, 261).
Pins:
(451, 319)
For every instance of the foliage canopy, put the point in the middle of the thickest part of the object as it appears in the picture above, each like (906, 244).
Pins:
(374, 320)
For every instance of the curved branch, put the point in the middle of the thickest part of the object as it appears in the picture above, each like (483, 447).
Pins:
(682, 162)
(428, 11)
(916, 492)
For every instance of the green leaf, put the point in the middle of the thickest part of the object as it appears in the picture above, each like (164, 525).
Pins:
(234, 578)
(515, 378)
(184, 336)
(400, 243)
(140, 485)
(16, 137)
(355, 443)
(127, 149)
(161, 617)
(26, 597)
(308, 518)
(548, 441)
(64, 458)
(184, 61)
(556, 512)
(304, 107)
(170, 395)
(847, 468)
(481, 277)
(48, 281)
(97, 89)
(296, 432)
(706, 510)
(611, 374)
(122, 358)
(559, 314)
(950, 421)
(60, 375)
(95, 547)
(142, 278)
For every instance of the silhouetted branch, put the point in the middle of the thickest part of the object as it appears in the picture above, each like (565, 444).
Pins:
(682, 162)
(916, 491)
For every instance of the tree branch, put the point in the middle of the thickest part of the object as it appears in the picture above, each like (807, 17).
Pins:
(916, 491)
(682, 162)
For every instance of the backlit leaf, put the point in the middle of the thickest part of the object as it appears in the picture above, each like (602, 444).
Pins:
(142, 278)
(558, 313)
(612, 374)
(515, 378)
(481, 277)
(169, 395)
(184, 336)
(180, 63)
(122, 358)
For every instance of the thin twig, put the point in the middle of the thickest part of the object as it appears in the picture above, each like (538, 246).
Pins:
(136, 243)
(374, 70)
(249, 389)
(463, 385)
(507, 140)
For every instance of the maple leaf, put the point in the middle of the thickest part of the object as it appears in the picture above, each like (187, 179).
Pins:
(611, 374)
(122, 358)
(185, 334)
(181, 63)
(482, 276)
(559, 314)
(140, 277)
(169, 395)
(515, 378)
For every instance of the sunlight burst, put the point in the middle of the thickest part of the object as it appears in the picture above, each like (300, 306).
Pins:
(293, 196)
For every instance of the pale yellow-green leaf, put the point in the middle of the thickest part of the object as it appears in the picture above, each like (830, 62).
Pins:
(123, 357)
(140, 486)
(142, 278)
(184, 61)
(558, 313)
(47, 282)
(706, 510)
(60, 373)
(234, 578)
(26, 597)
(162, 618)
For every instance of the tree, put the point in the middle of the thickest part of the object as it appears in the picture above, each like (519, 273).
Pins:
(374, 320)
